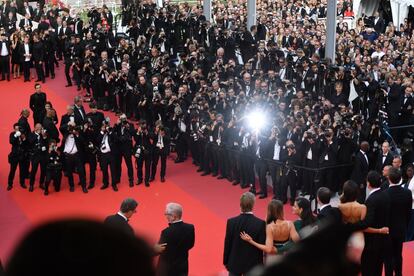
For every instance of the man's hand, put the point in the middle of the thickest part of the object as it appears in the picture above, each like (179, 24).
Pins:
(159, 248)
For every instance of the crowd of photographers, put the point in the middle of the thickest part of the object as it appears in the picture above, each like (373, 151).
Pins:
(243, 102)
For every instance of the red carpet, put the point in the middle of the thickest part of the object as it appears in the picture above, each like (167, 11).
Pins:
(207, 202)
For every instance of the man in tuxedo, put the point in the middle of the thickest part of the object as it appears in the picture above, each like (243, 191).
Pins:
(378, 216)
(4, 57)
(239, 256)
(38, 56)
(325, 210)
(161, 148)
(37, 104)
(175, 242)
(384, 158)
(379, 23)
(400, 214)
(79, 111)
(120, 220)
(105, 142)
(26, 24)
(361, 168)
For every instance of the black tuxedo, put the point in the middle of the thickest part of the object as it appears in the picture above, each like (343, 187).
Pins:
(360, 172)
(329, 213)
(179, 238)
(239, 256)
(160, 153)
(120, 223)
(80, 115)
(379, 27)
(63, 128)
(37, 105)
(400, 215)
(378, 216)
(380, 163)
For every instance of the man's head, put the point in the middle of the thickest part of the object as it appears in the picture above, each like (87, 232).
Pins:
(128, 207)
(173, 212)
(324, 195)
(396, 162)
(385, 147)
(386, 170)
(364, 146)
(37, 87)
(394, 176)
(373, 180)
(78, 101)
(247, 202)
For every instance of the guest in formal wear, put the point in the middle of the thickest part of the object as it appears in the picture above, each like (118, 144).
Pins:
(384, 157)
(176, 241)
(360, 170)
(325, 210)
(37, 104)
(239, 256)
(161, 150)
(401, 201)
(120, 220)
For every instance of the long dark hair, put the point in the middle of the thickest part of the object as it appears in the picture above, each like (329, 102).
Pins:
(350, 192)
(306, 215)
(274, 211)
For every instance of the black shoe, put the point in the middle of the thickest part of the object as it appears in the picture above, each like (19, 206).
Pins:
(220, 177)
(68, 85)
(9, 187)
(162, 179)
(151, 179)
(262, 196)
(131, 184)
(139, 182)
(214, 174)
(199, 170)
(205, 173)
(91, 186)
(53, 76)
(104, 187)
(46, 192)
(178, 161)
(78, 89)
(235, 182)
(72, 189)
(23, 186)
(84, 190)
(31, 188)
(115, 188)
(147, 184)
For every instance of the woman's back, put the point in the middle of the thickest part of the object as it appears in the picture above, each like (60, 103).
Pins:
(352, 212)
(281, 230)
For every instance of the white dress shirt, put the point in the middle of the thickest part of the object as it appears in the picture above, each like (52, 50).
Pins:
(105, 148)
(26, 52)
(4, 50)
(70, 145)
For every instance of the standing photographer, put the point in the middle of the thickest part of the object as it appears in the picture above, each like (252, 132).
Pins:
(161, 146)
(19, 156)
(105, 142)
(38, 141)
(124, 132)
(53, 168)
(143, 152)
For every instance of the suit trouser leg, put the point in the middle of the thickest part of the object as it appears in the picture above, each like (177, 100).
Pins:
(12, 172)
(104, 163)
(35, 166)
(154, 164)
(163, 165)
(26, 70)
(67, 73)
(393, 262)
(371, 262)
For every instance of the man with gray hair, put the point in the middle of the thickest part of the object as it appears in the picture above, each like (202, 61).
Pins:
(120, 220)
(240, 257)
(175, 242)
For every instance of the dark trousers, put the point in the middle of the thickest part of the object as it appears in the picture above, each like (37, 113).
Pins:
(106, 161)
(50, 67)
(207, 156)
(372, 258)
(247, 176)
(181, 147)
(126, 155)
(261, 168)
(72, 163)
(234, 164)
(67, 73)
(91, 160)
(223, 161)
(276, 175)
(26, 70)
(290, 181)
(54, 175)
(146, 158)
(329, 178)
(5, 67)
(23, 166)
(36, 161)
(394, 259)
(39, 70)
(157, 155)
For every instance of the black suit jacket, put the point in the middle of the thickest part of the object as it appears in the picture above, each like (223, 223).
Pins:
(239, 256)
(400, 212)
(179, 238)
(79, 119)
(361, 168)
(330, 213)
(118, 222)
(379, 165)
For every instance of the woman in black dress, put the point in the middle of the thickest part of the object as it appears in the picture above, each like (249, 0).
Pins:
(15, 59)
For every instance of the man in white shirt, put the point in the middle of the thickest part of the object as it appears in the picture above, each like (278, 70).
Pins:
(106, 158)
(161, 150)
(4, 57)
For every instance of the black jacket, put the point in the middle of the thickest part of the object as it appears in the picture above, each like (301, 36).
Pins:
(379, 165)
(179, 238)
(239, 256)
(361, 168)
(400, 211)
(118, 222)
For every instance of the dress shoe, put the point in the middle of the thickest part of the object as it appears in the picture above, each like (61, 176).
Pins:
(131, 184)
(84, 190)
(262, 196)
(68, 85)
(199, 170)
(31, 188)
(147, 184)
(139, 182)
(46, 192)
(23, 186)
(162, 179)
(235, 182)
(53, 76)
(214, 174)
(220, 177)
(38, 80)
(178, 161)
(71, 189)
(104, 187)
(205, 173)
(91, 186)
(115, 188)
(9, 187)
(151, 179)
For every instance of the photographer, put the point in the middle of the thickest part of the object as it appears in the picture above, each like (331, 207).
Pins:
(53, 168)
(290, 174)
(19, 156)
(143, 152)
(105, 141)
(161, 149)
(38, 141)
(124, 133)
